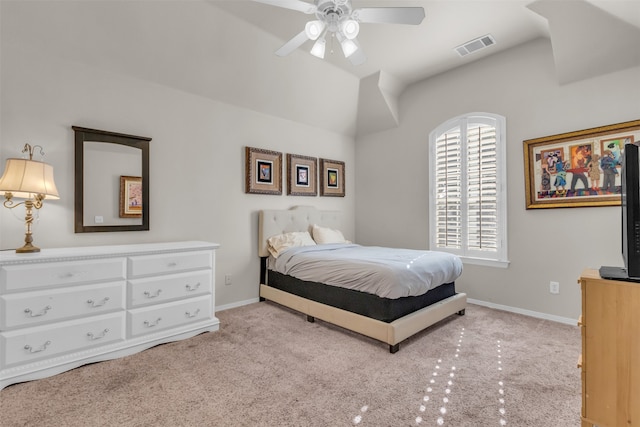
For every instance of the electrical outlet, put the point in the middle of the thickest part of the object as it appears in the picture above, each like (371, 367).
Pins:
(227, 279)
(554, 287)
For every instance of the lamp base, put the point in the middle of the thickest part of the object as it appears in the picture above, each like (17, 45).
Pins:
(27, 248)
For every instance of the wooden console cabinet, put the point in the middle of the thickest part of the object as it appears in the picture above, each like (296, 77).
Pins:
(610, 359)
(63, 308)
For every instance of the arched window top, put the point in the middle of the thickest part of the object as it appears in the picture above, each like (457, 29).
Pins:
(477, 117)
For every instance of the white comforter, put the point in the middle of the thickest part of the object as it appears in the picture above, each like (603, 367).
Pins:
(386, 272)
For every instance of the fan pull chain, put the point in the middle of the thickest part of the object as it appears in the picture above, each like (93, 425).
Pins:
(333, 36)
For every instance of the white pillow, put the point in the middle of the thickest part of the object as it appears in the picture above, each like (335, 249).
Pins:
(277, 244)
(324, 235)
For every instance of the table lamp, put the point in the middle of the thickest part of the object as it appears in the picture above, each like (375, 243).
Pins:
(30, 180)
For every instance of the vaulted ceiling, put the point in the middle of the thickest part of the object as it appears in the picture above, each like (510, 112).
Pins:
(411, 53)
(224, 49)
(589, 38)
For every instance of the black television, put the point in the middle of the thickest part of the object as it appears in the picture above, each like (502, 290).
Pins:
(630, 181)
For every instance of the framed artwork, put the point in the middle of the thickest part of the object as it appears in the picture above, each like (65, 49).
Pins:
(131, 197)
(302, 173)
(332, 178)
(263, 171)
(577, 169)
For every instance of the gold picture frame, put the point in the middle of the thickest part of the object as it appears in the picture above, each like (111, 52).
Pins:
(332, 179)
(263, 171)
(131, 205)
(577, 169)
(302, 175)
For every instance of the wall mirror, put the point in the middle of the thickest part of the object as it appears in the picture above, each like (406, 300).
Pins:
(111, 181)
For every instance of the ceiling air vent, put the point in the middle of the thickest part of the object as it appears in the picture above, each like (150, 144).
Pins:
(475, 45)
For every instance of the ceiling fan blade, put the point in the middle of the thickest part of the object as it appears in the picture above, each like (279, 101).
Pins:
(389, 15)
(298, 5)
(358, 57)
(293, 44)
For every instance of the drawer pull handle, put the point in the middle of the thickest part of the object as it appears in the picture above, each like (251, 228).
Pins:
(97, 337)
(195, 313)
(30, 313)
(150, 295)
(172, 264)
(152, 324)
(32, 350)
(98, 304)
(193, 288)
(71, 274)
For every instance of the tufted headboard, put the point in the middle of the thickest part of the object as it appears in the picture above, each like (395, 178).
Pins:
(298, 218)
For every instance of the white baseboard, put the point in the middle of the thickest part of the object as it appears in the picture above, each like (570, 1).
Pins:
(236, 304)
(545, 316)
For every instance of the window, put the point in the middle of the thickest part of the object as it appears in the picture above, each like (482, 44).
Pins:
(467, 203)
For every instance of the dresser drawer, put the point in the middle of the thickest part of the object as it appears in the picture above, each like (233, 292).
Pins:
(24, 345)
(148, 320)
(153, 290)
(30, 276)
(169, 263)
(32, 308)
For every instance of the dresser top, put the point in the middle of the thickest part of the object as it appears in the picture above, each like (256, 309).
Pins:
(88, 252)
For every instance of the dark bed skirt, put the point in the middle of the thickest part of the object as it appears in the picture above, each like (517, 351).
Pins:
(369, 305)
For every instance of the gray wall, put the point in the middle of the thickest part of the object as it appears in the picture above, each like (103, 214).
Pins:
(197, 148)
(544, 245)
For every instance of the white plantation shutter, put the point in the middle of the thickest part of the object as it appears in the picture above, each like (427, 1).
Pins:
(482, 203)
(448, 174)
(467, 203)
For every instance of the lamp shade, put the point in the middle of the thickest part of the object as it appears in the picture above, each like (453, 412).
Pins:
(313, 29)
(319, 47)
(26, 178)
(350, 29)
(348, 47)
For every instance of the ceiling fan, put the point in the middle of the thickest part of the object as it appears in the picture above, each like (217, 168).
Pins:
(337, 19)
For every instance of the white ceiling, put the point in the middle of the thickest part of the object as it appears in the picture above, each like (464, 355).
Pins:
(224, 49)
(412, 53)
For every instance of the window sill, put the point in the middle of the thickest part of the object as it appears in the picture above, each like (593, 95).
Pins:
(485, 262)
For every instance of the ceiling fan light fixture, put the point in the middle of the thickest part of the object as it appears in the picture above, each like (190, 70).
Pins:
(348, 47)
(313, 29)
(341, 21)
(350, 29)
(319, 48)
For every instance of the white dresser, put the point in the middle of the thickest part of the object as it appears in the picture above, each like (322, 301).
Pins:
(63, 308)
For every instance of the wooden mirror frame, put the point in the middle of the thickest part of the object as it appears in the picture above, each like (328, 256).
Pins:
(140, 142)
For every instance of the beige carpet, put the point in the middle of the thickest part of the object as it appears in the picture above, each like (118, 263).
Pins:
(267, 366)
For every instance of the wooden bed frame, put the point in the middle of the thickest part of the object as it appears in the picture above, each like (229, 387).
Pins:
(273, 222)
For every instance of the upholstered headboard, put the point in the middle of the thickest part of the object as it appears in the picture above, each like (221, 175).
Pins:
(298, 218)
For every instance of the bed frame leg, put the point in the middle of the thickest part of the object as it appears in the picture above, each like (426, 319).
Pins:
(310, 319)
(394, 348)
(263, 274)
(461, 312)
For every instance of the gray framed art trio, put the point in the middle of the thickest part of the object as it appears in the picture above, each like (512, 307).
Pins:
(263, 174)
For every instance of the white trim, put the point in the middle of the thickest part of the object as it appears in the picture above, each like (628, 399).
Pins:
(536, 314)
(236, 304)
(484, 261)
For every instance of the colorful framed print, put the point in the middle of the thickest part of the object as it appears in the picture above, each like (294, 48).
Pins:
(577, 169)
(263, 171)
(302, 173)
(131, 197)
(332, 179)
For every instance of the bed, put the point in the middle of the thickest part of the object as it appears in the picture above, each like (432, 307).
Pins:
(390, 320)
